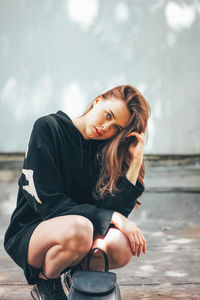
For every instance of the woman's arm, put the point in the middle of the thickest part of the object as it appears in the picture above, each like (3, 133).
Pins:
(133, 233)
(133, 172)
(129, 188)
(137, 156)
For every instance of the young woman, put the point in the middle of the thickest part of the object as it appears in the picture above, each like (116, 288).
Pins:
(80, 180)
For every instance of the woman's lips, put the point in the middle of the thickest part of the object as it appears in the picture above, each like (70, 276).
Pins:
(97, 132)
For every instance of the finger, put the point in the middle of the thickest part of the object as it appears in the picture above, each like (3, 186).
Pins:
(140, 248)
(136, 244)
(144, 243)
(145, 246)
(136, 133)
(139, 136)
(132, 243)
(133, 246)
(132, 134)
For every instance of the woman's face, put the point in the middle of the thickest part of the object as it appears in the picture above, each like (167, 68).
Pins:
(106, 118)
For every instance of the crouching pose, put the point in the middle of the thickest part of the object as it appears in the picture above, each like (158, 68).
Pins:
(80, 180)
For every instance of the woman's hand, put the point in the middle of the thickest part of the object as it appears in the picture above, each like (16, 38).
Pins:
(136, 150)
(132, 232)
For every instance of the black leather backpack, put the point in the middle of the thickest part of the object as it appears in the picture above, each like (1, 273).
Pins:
(94, 285)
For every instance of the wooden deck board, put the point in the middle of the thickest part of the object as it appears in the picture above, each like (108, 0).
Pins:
(22, 292)
(169, 270)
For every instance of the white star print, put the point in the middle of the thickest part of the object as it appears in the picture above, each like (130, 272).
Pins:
(30, 188)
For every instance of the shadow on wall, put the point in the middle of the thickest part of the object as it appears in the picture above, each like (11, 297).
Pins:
(70, 52)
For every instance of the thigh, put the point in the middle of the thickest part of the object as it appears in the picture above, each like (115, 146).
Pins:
(113, 239)
(51, 232)
(116, 245)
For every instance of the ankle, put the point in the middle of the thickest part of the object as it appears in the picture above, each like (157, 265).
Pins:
(42, 276)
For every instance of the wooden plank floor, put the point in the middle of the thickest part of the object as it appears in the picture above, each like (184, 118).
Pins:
(170, 221)
(22, 292)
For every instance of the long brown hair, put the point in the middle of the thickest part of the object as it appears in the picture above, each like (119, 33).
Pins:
(114, 157)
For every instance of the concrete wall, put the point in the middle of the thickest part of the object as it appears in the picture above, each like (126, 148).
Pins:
(61, 54)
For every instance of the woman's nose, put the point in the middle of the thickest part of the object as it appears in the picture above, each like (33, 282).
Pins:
(105, 126)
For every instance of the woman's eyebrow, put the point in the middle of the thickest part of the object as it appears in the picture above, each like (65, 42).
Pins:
(114, 118)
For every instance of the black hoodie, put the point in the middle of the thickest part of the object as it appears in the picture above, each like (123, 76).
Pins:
(57, 179)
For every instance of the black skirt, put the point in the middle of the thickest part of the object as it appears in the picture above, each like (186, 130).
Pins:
(17, 248)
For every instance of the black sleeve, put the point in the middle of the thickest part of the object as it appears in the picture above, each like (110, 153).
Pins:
(43, 186)
(124, 199)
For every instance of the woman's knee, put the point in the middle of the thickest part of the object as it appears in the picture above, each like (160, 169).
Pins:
(117, 247)
(74, 233)
(78, 235)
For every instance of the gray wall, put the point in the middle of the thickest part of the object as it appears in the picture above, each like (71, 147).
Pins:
(61, 54)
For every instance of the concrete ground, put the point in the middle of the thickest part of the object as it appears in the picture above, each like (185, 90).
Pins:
(169, 219)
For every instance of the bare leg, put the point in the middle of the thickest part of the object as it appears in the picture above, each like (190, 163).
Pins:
(117, 248)
(60, 242)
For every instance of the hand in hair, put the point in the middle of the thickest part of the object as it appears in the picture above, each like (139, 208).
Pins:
(137, 147)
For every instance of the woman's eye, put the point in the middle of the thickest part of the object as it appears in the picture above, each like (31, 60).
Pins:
(108, 115)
